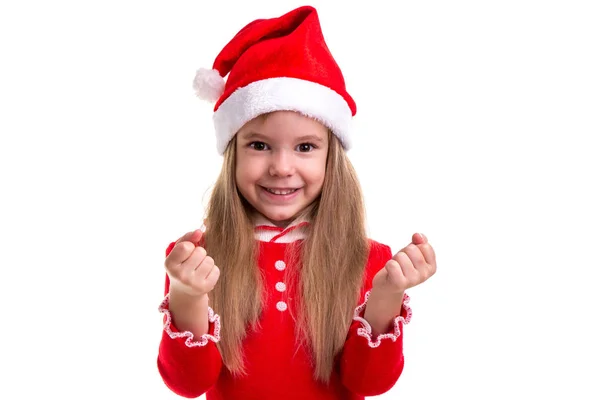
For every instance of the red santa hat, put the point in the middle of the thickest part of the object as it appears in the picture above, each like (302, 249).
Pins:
(277, 64)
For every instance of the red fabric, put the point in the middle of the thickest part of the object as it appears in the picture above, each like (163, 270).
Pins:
(291, 45)
(277, 369)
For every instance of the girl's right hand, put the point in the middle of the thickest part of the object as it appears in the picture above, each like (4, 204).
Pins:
(190, 269)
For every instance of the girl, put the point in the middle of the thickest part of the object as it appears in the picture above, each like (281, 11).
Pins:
(302, 304)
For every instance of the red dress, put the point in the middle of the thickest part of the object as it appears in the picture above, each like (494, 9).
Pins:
(277, 369)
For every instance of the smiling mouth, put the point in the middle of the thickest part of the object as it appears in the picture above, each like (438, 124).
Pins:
(281, 192)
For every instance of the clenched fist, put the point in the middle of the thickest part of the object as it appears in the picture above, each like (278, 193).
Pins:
(190, 269)
(411, 266)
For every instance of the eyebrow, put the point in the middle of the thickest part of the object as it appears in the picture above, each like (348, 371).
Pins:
(256, 135)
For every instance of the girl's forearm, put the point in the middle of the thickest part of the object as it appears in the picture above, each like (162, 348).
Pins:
(189, 313)
(381, 310)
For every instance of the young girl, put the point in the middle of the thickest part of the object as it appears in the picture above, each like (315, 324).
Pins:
(302, 304)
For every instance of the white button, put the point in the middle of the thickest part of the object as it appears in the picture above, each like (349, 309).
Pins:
(281, 306)
(279, 265)
(280, 286)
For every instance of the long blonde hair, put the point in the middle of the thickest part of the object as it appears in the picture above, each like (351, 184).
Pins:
(333, 259)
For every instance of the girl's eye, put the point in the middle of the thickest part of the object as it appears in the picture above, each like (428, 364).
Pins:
(305, 147)
(260, 146)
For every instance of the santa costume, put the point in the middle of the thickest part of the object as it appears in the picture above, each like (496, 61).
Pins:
(276, 64)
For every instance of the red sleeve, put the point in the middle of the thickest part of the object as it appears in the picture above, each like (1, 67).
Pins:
(370, 366)
(188, 366)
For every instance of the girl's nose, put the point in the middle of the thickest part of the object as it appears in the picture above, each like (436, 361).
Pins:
(282, 164)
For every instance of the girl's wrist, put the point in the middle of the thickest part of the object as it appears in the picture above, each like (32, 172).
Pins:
(378, 295)
(184, 296)
(381, 309)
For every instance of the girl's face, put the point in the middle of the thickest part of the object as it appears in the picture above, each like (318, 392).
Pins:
(280, 164)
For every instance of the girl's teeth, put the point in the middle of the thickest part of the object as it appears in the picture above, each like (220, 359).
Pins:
(281, 192)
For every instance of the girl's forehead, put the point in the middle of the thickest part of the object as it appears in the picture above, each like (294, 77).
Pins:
(284, 125)
(286, 135)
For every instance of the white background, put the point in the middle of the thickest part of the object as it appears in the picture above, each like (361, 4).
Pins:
(477, 124)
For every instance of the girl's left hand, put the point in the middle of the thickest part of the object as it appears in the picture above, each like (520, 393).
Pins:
(411, 266)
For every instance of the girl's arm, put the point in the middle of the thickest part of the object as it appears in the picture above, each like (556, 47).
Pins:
(189, 361)
(372, 359)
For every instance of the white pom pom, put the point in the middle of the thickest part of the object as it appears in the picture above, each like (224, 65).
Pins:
(208, 84)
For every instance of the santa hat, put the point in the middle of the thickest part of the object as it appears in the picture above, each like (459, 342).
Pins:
(277, 64)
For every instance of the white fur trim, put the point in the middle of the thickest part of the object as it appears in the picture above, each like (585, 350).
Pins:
(208, 84)
(279, 94)
(366, 330)
(189, 336)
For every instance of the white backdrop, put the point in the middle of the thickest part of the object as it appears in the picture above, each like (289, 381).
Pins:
(476, 125)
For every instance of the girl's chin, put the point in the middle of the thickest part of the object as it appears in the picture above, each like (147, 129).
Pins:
(282, 216)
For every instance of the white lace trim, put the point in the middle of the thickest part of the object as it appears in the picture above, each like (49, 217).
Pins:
(289, 235)
(365, 330)
(190, 341)
(264, 235)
